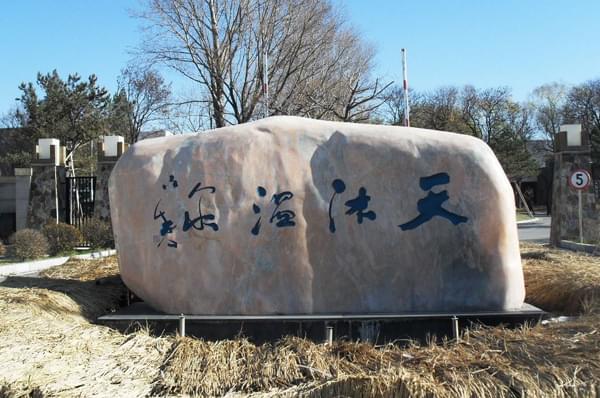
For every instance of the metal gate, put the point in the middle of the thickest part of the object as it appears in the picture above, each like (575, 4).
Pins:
(79, 206)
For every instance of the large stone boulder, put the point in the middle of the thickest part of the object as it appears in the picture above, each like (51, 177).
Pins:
(296, 216)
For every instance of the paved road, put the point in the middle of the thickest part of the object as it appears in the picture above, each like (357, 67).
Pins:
(538, 232)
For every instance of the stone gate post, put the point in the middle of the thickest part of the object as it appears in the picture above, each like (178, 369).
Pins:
(44, 194)
(110, 150)
(572, 152)
(22, 189)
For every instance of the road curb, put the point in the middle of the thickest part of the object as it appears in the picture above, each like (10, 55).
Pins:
(580, 247)
(96, 255)
(31, 266)
(40, 265)
(528, 221)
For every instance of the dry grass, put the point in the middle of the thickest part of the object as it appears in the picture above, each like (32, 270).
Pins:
(555, 360)
(20, 390)
(561, 281)
(49, 346)
(84, 270)
(558, 360)
(77, 288)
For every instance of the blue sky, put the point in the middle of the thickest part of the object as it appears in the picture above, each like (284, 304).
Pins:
(520, 44)
(517, 43)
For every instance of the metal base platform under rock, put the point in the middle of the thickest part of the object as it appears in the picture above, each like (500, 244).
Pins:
(376, 328)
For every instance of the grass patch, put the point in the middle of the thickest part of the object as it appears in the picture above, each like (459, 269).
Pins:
(523, 217)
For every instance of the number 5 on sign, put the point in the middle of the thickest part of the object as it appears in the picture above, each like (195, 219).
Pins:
(580, 180)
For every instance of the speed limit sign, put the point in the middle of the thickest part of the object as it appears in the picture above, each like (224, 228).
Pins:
(580, 179)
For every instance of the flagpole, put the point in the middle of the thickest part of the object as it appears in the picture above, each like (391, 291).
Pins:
(405, 85)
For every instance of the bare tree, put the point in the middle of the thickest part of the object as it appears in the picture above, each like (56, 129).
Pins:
(394, 106)
(489, 114)
(484, 111)
(438, 109)
(353, 95)
(190, 115)
(144, 97)
(583, 106)
(10, 119)
(549, 101)
(224, 46)
(506, 126)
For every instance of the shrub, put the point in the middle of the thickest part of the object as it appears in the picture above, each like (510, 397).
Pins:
(29, 244)
(97, 233)
(2, 249)
(61, 237)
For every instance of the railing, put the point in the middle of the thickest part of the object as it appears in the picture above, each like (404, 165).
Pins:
(80, 193)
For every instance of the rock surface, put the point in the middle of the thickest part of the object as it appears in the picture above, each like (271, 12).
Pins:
(296, 216)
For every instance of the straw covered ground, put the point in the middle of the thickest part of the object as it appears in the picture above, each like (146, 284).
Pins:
(50, 347)
(561, 281)
(558, 360)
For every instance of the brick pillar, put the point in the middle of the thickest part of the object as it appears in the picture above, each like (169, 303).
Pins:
(107, 159)
(567, 159)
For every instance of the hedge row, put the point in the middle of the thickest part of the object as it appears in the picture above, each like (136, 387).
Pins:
(54, 239)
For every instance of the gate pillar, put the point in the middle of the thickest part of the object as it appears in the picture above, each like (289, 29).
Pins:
(110, 150)
(573, 152)
(44, 198)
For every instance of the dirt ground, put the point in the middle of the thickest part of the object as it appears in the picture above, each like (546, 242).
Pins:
(50, 346)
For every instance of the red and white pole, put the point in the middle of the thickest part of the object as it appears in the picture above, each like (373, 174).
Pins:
(405, 83)
(265, 60)
(266, 82)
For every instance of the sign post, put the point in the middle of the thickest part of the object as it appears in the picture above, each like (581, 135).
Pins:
(580, 179)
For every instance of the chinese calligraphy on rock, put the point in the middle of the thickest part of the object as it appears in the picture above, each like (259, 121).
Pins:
(432, 205)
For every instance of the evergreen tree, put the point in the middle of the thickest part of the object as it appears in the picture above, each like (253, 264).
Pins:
(74, 111)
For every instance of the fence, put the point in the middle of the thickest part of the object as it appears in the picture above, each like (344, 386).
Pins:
(79, 204)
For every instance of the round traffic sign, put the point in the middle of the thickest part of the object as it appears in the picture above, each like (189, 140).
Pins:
(580, 179)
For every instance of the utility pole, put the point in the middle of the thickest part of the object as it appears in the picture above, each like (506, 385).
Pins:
(405, 83)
